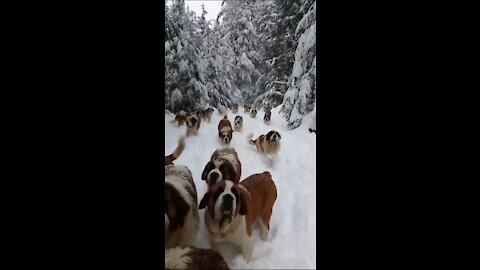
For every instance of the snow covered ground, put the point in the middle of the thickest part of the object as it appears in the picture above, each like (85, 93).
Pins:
(291, 241)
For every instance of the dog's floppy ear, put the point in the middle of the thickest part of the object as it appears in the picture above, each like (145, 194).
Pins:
(204, 201)
(244, 203)
(207, 169)
(180, 212)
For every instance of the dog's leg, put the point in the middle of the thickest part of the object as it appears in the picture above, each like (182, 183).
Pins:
(247, 248)
(265, 224)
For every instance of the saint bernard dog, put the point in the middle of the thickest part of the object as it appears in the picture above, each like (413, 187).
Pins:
(225, 131)
(267, 117)
(222, 110)
(238, 123)
(223, 164)
(253, 113)
(180, 118)
(235, 108)
(206, 114)
(194, 258)
(193, 124)
(268, 144)
(181, 213)
(176, 153)
(233, 208)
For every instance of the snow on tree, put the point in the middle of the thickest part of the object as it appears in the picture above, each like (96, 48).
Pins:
(239, 34)
(301, 94)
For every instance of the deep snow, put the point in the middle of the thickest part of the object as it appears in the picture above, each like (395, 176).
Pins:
(291, 241)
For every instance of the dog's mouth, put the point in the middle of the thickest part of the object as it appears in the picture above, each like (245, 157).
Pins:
(227, 216)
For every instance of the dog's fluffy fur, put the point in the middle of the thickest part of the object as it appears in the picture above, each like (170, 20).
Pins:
(206, 114)
(181, 213)
(176, 153)
(233, 208)
(224, 164)
(193, 258)
(225, 131)
(268, 144)
(235, 108)
(180, 118)
(222, 110)
(193, 124)
(238, 123)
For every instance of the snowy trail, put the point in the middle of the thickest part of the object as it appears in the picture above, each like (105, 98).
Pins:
(291, 241)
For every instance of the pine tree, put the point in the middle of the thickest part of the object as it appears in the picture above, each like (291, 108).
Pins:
(301, 94)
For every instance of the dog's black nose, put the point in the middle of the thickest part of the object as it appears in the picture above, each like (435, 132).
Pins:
(227, 201)
(213, 178)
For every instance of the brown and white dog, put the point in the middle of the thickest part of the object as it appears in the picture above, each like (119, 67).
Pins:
(233, 208)
(206, 114)
(253, 113)
(225, 131)
(224, 164)
(180, 118)
(176, 153)
(181, 213)
(194, 258)
(268, 144)
(193, 124)
(235, 108)
(246, 108)
(238, 123)
(267, 117)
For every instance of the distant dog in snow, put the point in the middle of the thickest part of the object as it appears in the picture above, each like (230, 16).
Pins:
(268, 144)
(238, 123)
(267, 117)
(235, 108)
(222, 110)
(180, 118)
(246, 108)
(206, 114)
(193, 124)
(225, 131)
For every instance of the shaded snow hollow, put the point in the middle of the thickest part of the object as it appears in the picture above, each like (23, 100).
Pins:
(291, 241)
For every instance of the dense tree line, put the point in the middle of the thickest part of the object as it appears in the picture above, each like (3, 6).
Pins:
(256, 52)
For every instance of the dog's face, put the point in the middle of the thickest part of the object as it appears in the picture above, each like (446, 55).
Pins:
(192, 120)
(226, 136)
(253, 112)
(238, 121)
(273, 137)
(225, 201)
(217, 171)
